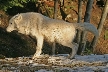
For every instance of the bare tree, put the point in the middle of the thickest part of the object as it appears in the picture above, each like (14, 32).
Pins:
(80, 10)
(55, 8)
(55, 16)
(101, 23)
(79, 20)
(86, 19)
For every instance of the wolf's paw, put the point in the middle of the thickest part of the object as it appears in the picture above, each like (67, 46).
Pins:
(36, 56)
(71, 57)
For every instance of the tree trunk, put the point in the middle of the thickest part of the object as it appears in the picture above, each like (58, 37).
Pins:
(101, 23)
(55, 8)
(79, 21)
(88, 10)
(86, 19)
(55, 16)
(80, 10)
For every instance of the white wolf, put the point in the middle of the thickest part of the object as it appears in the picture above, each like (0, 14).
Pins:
(51, 30)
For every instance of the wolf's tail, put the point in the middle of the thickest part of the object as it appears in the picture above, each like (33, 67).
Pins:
(87, 27)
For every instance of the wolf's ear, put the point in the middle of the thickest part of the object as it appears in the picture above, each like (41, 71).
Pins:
(18, 18)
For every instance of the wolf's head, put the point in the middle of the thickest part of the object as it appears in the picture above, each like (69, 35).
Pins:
(13, 23)
(17, 23)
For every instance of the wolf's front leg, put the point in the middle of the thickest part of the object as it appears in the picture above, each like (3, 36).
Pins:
(39, 46)
(53, 48)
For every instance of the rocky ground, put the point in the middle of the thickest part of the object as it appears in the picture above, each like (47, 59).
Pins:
(58, 63)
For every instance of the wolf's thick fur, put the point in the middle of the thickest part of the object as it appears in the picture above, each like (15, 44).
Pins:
(51, 30)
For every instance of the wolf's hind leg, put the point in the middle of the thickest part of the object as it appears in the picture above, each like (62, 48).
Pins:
(74, 48)
(39, 46)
